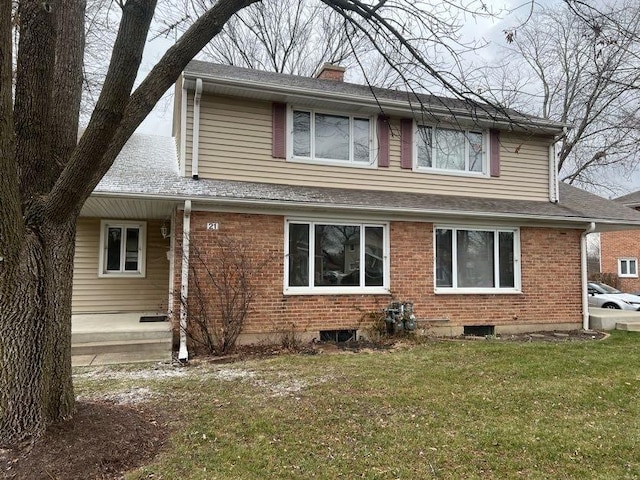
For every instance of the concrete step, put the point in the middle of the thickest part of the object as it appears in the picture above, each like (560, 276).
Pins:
(147, 346)
(163, 332)
(119, 358)
(608, 318)
(628, 326)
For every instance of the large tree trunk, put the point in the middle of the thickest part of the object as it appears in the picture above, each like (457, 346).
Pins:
(35, 333)
(45, 179)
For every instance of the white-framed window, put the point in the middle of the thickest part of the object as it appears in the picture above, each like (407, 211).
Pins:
(122, 248)
(440, 149)
(628, 267)
(477, 259)
(326, 257)
(329, 137)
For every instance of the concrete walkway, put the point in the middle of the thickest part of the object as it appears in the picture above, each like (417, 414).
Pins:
(105, 339)
(613, 319)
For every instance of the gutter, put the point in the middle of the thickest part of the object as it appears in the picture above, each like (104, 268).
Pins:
(583, 270)
(183, 353)
(196, 129)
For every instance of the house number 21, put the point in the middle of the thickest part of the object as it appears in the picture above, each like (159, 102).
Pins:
(213, 226)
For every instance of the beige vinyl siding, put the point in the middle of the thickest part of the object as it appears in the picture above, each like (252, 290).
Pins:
(92, 294)
(235, 144)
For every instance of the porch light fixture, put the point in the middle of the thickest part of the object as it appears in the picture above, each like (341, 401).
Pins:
(164, 231)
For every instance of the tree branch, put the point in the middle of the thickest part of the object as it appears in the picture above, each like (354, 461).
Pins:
(89, 163)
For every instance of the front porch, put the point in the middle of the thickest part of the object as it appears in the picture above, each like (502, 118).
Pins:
(111, 338)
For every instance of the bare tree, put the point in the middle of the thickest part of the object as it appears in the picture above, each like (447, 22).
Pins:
(581, 67)
(291, 36)
(224, 281)
(47, 173)
(297, 37)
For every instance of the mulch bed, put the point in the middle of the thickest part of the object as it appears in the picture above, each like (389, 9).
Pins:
(102, 441)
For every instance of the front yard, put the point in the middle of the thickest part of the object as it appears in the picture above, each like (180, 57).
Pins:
(448, 409)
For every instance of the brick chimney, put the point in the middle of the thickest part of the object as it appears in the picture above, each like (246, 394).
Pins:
(328, 71)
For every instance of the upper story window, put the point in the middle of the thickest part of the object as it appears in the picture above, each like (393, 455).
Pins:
(122, 248)
(451, 150)
(330, 137)
(336, 257)
(628, 267)
(477, 260)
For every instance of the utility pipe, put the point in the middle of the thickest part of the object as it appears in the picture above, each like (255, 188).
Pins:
(183, 353)
(196, 129)
(583, 270)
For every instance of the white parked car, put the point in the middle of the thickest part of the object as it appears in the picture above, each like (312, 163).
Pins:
(605, 296)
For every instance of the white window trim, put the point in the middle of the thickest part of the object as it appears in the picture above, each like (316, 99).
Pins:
(142, 249)
(338, 290)
(628, 260)
(373, 145)
(517, 273)
(443, 171)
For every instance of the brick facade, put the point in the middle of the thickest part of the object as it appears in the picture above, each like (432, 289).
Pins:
(550, 264)
(615, 245)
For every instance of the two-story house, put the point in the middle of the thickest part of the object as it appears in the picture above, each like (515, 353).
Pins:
(353, 196)
(620, 250)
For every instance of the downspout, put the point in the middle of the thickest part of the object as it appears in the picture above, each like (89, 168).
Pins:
(553, 174)
(183, 354)
(183, 130)
(196, 129)
(583, 270)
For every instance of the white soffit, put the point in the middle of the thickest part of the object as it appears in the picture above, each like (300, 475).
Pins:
(127, 208)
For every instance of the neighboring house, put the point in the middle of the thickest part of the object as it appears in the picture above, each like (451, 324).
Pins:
(620, 251)
(452, 206)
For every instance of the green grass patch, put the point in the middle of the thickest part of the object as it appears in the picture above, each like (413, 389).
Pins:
(474, 409)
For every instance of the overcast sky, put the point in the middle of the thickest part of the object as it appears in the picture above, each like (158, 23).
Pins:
(159, 122)
(492, 30)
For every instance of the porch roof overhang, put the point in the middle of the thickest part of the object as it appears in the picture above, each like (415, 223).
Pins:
(127, 207)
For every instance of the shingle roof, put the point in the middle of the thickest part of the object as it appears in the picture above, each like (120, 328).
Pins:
(631, 199)
(147, 166)
(248, 77)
